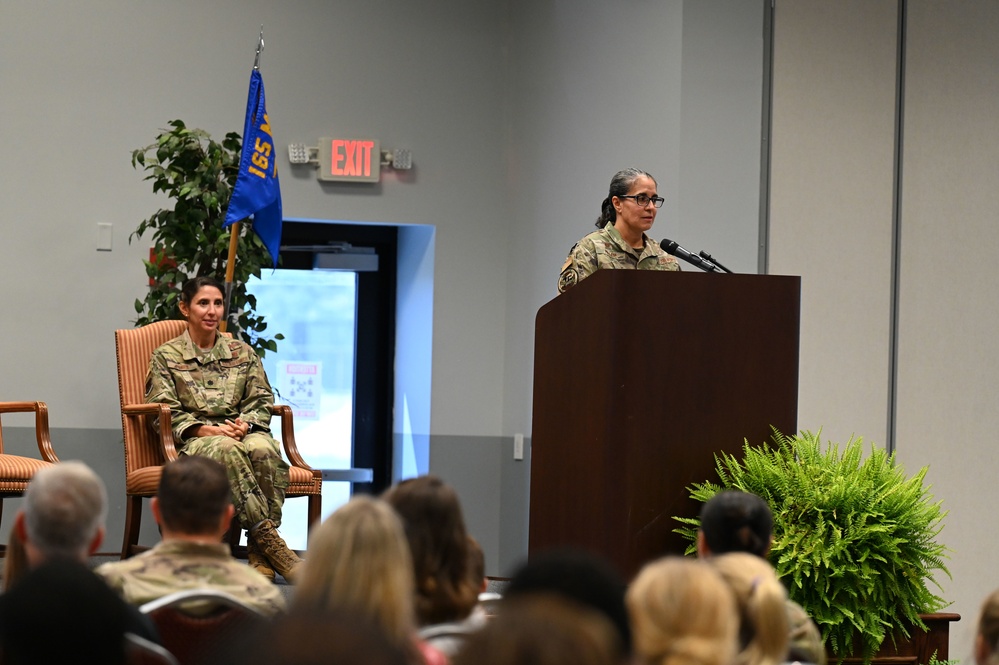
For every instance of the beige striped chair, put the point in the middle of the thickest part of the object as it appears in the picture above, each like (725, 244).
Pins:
(147, 449)
(16, 471)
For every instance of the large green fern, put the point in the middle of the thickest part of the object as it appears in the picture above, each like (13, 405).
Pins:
(854, 539)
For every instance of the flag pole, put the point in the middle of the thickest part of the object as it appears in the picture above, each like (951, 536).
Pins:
(230, 266)
(230, 271)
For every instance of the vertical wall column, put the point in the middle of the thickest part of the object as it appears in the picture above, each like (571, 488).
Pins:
(948, 358)
(831, 202)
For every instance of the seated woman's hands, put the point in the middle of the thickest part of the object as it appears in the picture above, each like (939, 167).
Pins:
(234, 429)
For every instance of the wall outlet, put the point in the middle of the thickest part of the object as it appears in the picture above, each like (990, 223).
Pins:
(518, 446)
(104, 236)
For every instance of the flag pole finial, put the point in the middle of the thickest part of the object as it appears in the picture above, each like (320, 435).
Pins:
(260, 48)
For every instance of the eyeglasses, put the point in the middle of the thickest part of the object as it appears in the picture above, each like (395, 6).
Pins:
(644, 199)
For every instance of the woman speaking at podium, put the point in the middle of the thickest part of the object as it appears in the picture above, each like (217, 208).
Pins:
(625, 215)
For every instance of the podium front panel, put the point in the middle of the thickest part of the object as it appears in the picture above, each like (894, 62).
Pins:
(641, 377)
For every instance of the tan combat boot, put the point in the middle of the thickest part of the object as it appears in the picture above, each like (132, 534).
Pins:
(257, 560)
(272, 545)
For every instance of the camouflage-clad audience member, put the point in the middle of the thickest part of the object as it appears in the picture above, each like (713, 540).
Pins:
(220, 400)
(733, 521)
(621, 242)
(193, 510)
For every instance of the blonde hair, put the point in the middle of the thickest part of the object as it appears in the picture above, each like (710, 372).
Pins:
(682, 612)
(762, 604)
(358, 561)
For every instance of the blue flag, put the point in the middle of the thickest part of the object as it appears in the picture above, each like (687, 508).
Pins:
(257, 191)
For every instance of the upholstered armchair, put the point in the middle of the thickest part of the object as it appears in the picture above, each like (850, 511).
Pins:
(148, 449)
(17, 471)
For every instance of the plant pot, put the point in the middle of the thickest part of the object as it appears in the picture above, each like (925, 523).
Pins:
(917, 649)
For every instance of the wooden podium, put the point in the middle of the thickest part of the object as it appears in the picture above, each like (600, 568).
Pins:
(640, 377)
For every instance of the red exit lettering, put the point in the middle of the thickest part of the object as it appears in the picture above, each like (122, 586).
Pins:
(351, 158)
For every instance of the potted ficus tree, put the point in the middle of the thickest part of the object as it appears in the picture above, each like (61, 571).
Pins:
(198, 175)
(855, 539)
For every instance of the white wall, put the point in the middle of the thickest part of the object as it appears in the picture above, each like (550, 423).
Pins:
(85, 83)
(673, 88)
(948, 377)
(831, 221)
(831, 203)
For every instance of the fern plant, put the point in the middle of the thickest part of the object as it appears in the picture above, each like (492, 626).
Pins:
(855, 540)
(198, 174)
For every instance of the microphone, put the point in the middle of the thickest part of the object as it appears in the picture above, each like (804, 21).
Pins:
(705, 255)
(679, 252)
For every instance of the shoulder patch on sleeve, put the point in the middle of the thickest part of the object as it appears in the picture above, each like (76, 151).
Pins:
(567, 279)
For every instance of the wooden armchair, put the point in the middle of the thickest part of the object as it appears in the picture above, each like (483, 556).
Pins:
(148, 449)
(16, 471)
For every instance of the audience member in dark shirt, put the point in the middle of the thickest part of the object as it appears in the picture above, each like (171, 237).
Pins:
(62, 519)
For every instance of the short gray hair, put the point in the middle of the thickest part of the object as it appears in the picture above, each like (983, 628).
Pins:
(64, 507)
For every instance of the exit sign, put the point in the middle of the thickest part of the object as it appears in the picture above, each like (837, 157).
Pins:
(352, 160)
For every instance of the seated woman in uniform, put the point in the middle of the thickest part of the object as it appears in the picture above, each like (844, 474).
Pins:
(220, 400)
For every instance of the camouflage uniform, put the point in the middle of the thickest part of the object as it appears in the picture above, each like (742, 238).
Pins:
(804, 641)
(208, 388)
(178, 565)
(605, 249)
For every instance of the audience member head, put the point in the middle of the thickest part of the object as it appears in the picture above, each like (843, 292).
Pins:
(60, 612)
(193, 498)
(734, 521)
(307, 637)
(435, 529)
(682, 613)
(358, 562)
(543, 629)
(63, 513)
(580, 576)
(987, 637)
(762, 603)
